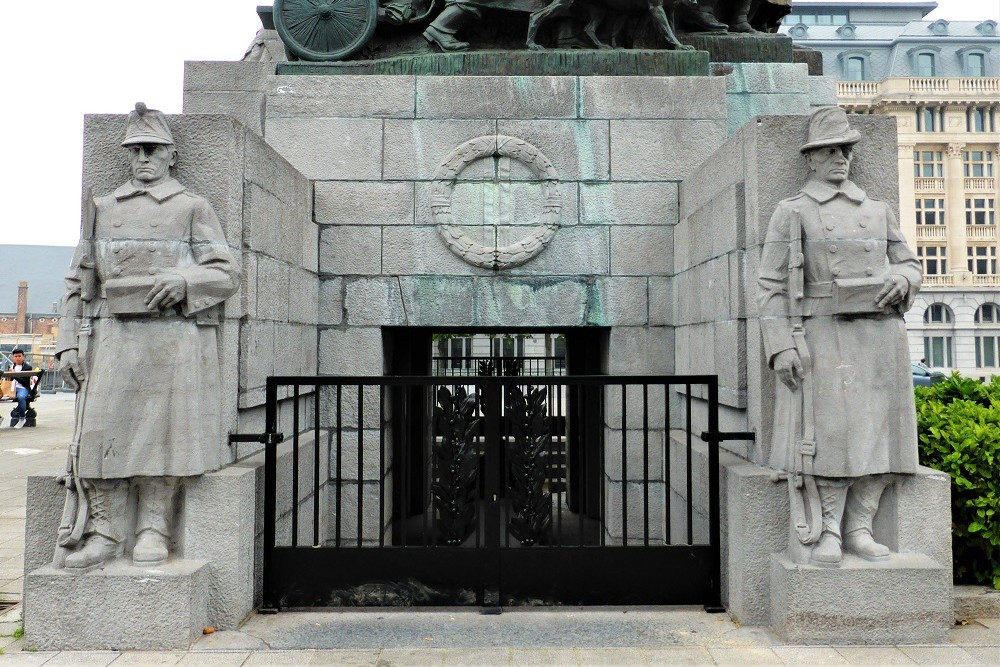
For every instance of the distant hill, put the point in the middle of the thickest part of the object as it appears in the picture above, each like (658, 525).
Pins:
(43, 266)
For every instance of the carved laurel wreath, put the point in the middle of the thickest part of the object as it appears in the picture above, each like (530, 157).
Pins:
(461, 243)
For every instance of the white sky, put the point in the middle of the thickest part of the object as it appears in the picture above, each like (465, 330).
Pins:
(101, 56)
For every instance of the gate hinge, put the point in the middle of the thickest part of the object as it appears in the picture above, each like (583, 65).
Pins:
(263, 438)
(720, 436)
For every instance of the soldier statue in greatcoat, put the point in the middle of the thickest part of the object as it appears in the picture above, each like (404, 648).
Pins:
(138, 339)
(836, 277)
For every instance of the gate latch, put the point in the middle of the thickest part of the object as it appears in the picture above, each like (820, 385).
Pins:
(263, 438)
(721, 436)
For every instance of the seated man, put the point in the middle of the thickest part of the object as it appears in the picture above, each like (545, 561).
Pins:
(22, 388)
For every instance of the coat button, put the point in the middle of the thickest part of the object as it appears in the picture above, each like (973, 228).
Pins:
(870, 270)
(117, 223)
(152, 250)
(835, 272)
(117, 271)
(833, 248)
(863, 224)
(829, 228)
(116, 250)
(152, 270)
(868, 247)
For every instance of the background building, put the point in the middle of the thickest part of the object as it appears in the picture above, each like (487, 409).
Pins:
(941, 80)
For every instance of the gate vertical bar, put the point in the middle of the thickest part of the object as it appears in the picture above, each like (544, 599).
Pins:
(316, 464)
(714, 602)
(492, 390)
(270, 486)
(295, 466)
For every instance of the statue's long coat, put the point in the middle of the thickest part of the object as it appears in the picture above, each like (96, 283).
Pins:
(153, 380)
(865, 419)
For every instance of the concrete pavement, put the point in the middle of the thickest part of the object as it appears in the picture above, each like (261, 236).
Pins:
(443, 637)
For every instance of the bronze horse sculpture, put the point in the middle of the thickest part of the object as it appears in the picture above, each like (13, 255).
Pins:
(598, 9)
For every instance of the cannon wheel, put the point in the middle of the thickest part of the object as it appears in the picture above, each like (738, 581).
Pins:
(319, 30)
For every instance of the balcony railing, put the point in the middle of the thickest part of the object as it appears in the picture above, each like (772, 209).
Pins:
(931, 232)
(971, 89)
(938, 281)
(990, 281)
(981, 232)
(979, 184)
(928, 184)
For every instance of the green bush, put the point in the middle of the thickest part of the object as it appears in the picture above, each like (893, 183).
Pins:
(958, 422)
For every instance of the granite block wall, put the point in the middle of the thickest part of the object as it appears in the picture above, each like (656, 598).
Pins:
(620, 147)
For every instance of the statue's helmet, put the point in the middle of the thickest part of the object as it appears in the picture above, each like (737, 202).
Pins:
(146, 126)
(828, 126)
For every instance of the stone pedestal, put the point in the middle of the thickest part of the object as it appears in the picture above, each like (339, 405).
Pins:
(119, 607)
(906, 600)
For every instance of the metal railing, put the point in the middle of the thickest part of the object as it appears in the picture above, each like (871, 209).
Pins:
(394, 484)
(499, 365)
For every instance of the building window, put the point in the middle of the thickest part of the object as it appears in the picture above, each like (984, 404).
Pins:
(988, 313)
(977, 119)
(975, 64)
(937, 351)
(933, 259)
(925, 64)
(978, 164)
(930, 211)
(854, 70)
(460, 347)
(928, 164)
(938, 313)
(982, 260)
(980, 211)
(986, 346)
(816, 18)
(930, 119)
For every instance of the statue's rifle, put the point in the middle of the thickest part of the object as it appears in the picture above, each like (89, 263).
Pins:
(802, 489)
(76, 507)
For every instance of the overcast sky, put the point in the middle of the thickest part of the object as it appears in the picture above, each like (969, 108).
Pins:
(101, 56)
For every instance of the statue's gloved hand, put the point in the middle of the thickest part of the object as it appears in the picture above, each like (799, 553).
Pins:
(168, 290)
(893, 292)
(788, 367)
(71, 368)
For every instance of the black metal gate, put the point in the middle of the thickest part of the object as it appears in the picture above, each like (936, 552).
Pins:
(490, 491)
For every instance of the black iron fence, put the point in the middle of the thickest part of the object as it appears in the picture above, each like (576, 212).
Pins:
(493, 490)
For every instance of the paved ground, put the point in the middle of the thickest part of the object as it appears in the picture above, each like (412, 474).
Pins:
(531, 636)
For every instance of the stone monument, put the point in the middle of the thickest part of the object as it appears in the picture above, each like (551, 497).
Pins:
(428, 171)
(836, 277)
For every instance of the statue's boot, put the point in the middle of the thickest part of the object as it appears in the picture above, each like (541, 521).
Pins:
(443, 29)
(154, 520)
(832, 496)
(862, 504)
(703, 17)
(738, 17)
(104, 536)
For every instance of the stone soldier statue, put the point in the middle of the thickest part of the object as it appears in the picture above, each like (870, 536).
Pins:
(836, 277)
(138, 340)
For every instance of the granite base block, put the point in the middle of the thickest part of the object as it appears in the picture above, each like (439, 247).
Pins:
(119, 607)
(906, 600)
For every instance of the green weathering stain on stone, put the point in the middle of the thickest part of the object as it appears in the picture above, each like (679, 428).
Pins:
(521, 63)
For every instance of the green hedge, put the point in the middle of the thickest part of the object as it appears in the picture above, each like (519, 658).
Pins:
(958, 421)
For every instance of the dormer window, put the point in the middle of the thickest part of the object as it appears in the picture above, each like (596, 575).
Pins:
(973, 60)
(799, 31)
(923, 60)
(854, 65)
(939, 27)
(847, 31)
(988, 28)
